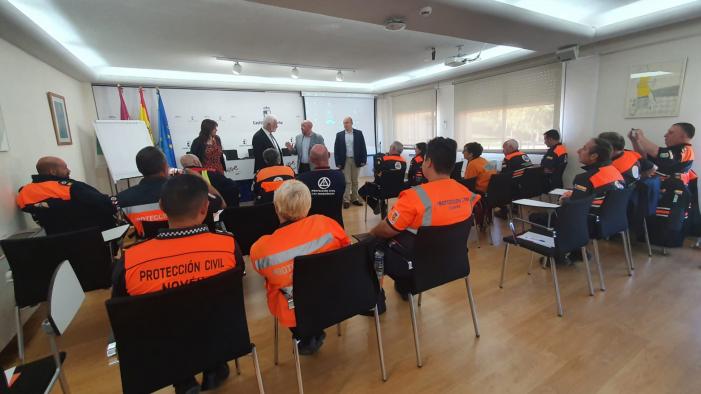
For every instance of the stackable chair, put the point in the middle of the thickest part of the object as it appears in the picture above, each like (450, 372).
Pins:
(250, 223)
(327, 206)
(439, 257)
(612, 220)
(390, 183)
(570, 233)
(168, 336)
(33, 262)
(65, 298)
(530, 184)
(332, 287)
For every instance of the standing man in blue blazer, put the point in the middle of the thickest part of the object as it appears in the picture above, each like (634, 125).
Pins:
(350, 154)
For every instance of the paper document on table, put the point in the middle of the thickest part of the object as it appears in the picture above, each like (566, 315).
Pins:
(540, 239)
(558, 192)
(535, 203)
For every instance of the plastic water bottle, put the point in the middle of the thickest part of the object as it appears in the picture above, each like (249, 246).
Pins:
(379, 263)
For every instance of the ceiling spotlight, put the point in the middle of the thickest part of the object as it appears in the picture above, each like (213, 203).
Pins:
(295, 73)
(339, 76)
(237, 68)
(395, 24)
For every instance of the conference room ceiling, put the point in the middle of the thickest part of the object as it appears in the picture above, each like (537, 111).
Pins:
(176, 41)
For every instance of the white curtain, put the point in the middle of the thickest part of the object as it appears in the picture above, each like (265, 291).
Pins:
(414, 116)
(521, 105)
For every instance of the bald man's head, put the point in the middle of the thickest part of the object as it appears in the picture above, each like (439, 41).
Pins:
(190, 160)
(510, 146)
(54, 166)
(348, 123)
(307, 127)
(319, 156)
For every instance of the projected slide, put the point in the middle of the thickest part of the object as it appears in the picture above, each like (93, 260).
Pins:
(327, 113)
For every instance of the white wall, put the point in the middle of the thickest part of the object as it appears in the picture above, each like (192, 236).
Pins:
(24, 81)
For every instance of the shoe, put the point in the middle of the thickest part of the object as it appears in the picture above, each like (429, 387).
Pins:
(577, 256)
(189, 386)
(358, 203)
(375, 208)
(346, 205)
(213, 379)
(403, 294)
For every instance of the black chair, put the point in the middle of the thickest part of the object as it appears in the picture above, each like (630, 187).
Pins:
(469, 183)
(457, 171)
(331, 206)
(40, 376)
(231, 154)
(250, 223)
(499, 194)
(530, 184)
(645, 206)
(332, 287)
(168, 336)
(439, 256)
(390, 184)
(570, 233)
(151, 228)
(611, 220)
(33, 261)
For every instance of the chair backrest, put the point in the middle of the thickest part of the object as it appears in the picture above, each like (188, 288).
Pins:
(471, 184)
(391, 183)
(33, 262)
(331, 206)
(531, 183)
(170, 335)
(572, 227)
(457, 171)
(250, 223)
(334, 286)
(613, 215)
(65, 297)
(648, 195)
(440, 255)
(151, 228)
(499, 190)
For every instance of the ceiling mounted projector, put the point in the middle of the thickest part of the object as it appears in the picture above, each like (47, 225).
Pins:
(395, 24)
(460, 59)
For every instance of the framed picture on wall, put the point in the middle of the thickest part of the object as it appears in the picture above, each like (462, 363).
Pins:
(4, 146)
(59, 116)
(655, 89)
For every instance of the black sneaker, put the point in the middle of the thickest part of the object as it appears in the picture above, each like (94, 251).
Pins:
(381, 306)
(213, 379)
(346, 205)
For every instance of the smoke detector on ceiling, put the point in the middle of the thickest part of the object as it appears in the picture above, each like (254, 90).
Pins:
(426, 11)
(395, 24)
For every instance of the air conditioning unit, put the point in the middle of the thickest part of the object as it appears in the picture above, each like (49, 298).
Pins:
(567, 53)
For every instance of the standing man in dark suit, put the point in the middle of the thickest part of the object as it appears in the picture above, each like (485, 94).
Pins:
(350, 155)
(264, 139)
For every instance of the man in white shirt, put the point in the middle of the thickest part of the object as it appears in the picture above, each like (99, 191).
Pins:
(264, 139)
(303, 145)
(350, 155)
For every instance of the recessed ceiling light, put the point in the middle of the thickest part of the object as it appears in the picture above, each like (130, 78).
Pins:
(395, 24)
(339, 76)
(295, 73)
(237, 68)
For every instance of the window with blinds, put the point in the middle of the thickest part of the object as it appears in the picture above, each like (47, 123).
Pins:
(414, 116)
(521, 105)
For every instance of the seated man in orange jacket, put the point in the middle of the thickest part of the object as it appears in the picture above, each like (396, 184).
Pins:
(270, 177)
(184, 253)
(273, 255)
(440, 202)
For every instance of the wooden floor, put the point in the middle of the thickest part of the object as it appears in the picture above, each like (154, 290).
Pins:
(643, 335)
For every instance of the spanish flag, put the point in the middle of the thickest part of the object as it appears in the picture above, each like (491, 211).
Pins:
(143, 114)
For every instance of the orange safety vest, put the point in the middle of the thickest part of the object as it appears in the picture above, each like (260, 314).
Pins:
(477, 168)
(273, 256)
(393, 158)
(626, 161)
(560, 150)
(437, 203)
(137, 214)
(270, 178)
(605, 176)
(39, 192)
(177, 257)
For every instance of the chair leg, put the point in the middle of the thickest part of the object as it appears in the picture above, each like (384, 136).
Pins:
(238, 367)
(338, 329)
(57, 359)
(276, 341)
(380, 348)
(630, 250)
(416, 331)
(419, 300)
(530, 263)
(625, 252)
(602, 285)
(20, 334)
(647, 238)
(366, 209)
(503, 265)
(295, 349)
(553, 270)
(473, 307)
(256, 366)
(588, 269)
